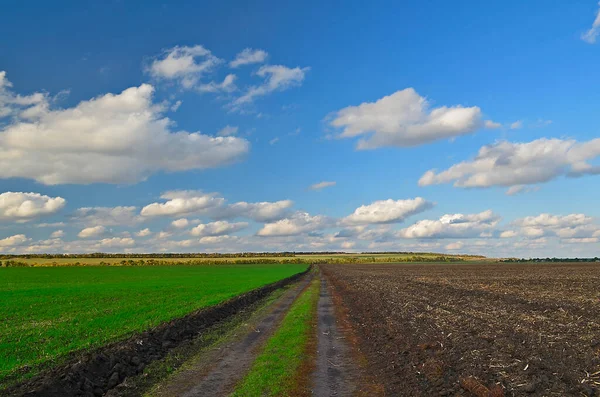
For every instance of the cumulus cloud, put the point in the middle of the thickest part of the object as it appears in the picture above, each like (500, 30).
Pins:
(351, 231)
(591, 35)
(22, 207)
(113, 138)
(107, 216)
(183, 64)
(116, 242)
(321, 185)
(297, 223)
(228, 130)
(514, 164)
(17, 239)
(405, 119)
(452, 226)
(93, 231)
(180, 223)
(143, 233)
(57, 234)
(276, 78)
(261, 212)
(508, 234)
(180, 202)
(387, 211)
(570, 228)
(218, 239)
(248, 56)
(218, 228)
(549, 220)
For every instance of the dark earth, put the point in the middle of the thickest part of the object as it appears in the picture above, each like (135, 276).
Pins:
(476, 329)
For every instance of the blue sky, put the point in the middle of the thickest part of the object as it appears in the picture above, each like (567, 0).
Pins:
(451, 128)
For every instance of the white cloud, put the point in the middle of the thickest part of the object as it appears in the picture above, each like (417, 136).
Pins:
(12, 104)
(387, 211)
(516, 125)
(218, 228)
(570, 228)
(277, 78)
(228, 130)
(298, 223)
(94, 231)
(321, 185)
(549, 220)
(405, 119)
(180, 223)
(508, 234)
(175, 106)
(180, 202)
(12, 241)
(248, 56)
(512, 164)
(218, 239)
(22, 207)
(592, 34)
(107, 216)
(227, 85)
(452, 226)
(351, 231)
(116, 242)
(491, 124)
(114, 138)
(455, 246)
(143, 233)
(163, 235)
(186, 65)
(57, 234)
(274, 141)
(261, 212)
(519, 189)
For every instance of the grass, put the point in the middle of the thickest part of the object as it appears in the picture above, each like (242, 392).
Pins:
(47, 313)
(274, 370)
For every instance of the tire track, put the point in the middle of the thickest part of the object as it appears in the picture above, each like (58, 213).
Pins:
(334, 367)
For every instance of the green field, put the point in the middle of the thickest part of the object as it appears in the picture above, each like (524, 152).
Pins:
(46, 313)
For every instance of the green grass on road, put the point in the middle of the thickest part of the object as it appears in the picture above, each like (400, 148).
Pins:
(274, 372)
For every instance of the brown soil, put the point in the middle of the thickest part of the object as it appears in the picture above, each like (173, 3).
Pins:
(335, 370)
(476, 330)
(98, 372)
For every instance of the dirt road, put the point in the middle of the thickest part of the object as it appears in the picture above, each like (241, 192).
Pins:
(334, 367)
(216, 373)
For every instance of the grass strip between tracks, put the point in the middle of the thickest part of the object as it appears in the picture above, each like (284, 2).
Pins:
(274, 372)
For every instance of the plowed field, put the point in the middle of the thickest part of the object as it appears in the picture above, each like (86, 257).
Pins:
(493, 329)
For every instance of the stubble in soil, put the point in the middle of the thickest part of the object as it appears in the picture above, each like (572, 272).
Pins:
(465, 330)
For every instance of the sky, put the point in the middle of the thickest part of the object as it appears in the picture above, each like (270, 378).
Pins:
(427, 126)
